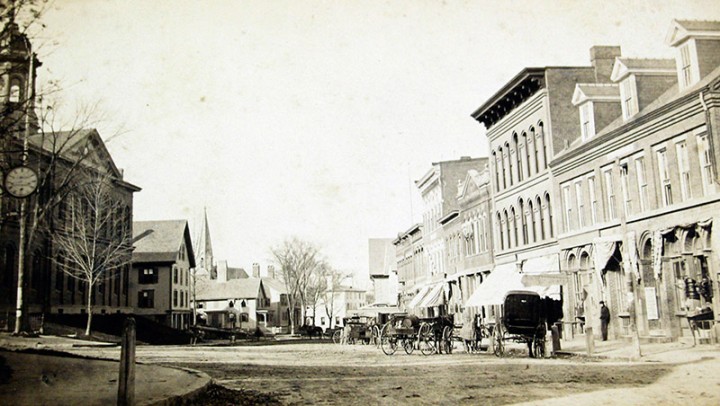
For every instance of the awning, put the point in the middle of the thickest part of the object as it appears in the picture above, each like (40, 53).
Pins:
(505, 278)
(434, 297)
(418, 297)
(542, 264)
(501, 280)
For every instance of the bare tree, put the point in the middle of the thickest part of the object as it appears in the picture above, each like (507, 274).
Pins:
(333, 281)
(298, 261)
(95, 241)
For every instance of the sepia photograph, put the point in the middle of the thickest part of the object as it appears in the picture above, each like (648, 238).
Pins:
(386, 202)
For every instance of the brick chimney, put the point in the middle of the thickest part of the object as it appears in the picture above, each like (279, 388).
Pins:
(271, 271)
(256, 270)
(602, 58)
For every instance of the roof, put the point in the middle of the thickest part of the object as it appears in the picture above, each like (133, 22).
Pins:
(159, 241)
(248, 288)
(627, 66)
(595, 92)
(275, 284)
(683, 29)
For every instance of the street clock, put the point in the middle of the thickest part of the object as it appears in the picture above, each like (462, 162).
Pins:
(21, 181)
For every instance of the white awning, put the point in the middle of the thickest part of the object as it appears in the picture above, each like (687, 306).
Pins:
(543, 264)
(505, 278)
(434, 297)
(418, 297)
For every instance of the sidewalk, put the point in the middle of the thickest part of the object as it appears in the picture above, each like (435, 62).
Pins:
(32, 372)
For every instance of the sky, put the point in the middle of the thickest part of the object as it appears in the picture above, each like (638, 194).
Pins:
(312, 118)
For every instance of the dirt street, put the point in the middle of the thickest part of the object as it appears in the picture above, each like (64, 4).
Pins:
(323, 373)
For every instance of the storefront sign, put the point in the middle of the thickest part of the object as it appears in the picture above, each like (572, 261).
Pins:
(651, 304)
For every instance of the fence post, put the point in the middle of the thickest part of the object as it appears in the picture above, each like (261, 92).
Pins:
(589, 340)
(555, 339)
(126, 383)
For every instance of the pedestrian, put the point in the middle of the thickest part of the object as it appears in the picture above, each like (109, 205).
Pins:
(604, 320)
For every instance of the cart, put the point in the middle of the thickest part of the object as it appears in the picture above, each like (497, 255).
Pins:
(357, 329)
(401, 330)
(436, 335)
(524, 321)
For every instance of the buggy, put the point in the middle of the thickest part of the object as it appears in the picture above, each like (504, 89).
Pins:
(524, 320)
(358, 329)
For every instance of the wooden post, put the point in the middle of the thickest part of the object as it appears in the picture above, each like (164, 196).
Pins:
(555, 339)
(126, 383)
(589, 340)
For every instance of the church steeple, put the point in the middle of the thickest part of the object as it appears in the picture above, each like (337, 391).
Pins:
(204, 252)
(18, 72)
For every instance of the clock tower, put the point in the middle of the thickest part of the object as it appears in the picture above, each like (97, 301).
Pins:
(18, 71)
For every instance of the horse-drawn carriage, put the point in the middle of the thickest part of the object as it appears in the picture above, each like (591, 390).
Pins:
(429, 335)
(357, 329)
(524, 320)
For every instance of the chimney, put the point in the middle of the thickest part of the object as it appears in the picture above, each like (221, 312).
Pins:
(271, 271)
(256, 270)
(602, 58)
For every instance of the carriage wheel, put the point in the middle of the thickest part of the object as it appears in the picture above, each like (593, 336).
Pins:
(539, 347)
(389, 345)
(376, 335)
(498, 345)
(447, 344)
(408, 345)
(337, 337)
(426, 339)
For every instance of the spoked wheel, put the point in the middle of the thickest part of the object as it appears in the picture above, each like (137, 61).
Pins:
(376, 335)
(389, 345)
(447, 344)
(408, 345)
(337, 337)
(498, 345)
(426, 340)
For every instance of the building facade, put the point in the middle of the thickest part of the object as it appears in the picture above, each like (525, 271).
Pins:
(160, 282)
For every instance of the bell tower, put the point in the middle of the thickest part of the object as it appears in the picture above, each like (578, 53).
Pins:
(18, 71)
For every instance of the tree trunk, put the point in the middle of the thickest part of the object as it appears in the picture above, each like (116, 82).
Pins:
(89, 309)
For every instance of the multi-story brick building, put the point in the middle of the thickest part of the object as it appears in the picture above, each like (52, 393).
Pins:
(528, 121)
(410, 260)
(638, 188)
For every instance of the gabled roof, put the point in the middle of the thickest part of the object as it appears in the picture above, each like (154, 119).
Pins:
(160, 241)
(478, 178)
(595, 92)
(680, 30)
(641, 66)
(248, 288)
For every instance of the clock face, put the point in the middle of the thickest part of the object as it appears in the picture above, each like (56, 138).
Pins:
(21, 181)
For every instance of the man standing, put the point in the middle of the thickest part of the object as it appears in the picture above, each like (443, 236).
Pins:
(604, 320)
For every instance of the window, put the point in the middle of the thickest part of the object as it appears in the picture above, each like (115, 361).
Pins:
(523, 222)
(684, 169)
(519, 156)
(513, 218)
(551, 233)
(627, 94)
(526, 157)
(624, 188)
(706, 172)
(500, 228)
(580, 203)
(587, 125)
(665, 185)
(593, 199)
(146, 299)
(510, 162)
(175, 274)
(497, 172)
(175, 298)
(685, 66)
(15, 91)
(609, 194)
(642, 183)
(568, 207)
(148, 276)
(502, 168)
(533, 225)
(543, 140)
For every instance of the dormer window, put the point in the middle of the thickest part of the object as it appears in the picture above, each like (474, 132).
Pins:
(628, 97)
(587, 123)
(685, 68)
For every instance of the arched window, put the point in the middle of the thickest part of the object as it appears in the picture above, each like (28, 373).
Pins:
(527, 143)
(507, 228)
(533, 226)
(496, 168)
(514, 226)
(541, 131)
(541, 218)
(549, 215)
(518, 156)
(15, 90)
(536, 147)
(523, 223)
(500, 232)
(502, 168)
(510, 159)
